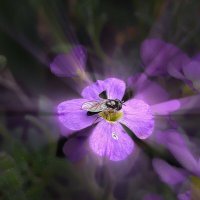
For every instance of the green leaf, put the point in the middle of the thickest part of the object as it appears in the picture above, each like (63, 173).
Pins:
(11, 185)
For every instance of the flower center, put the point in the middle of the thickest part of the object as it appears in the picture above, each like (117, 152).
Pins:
(111, 116)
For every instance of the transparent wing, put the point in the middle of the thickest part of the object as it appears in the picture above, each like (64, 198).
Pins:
(94, 106)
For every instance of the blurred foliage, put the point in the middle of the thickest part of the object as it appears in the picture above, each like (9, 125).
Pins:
(28, 173)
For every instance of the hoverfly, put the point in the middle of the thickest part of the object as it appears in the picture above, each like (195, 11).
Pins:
(94, 107)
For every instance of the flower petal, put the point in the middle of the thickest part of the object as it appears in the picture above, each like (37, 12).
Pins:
(156, 55)
(196, 57)
(187, 195)
(69, 64)
(75, 149)
(166, 108)
(152, 197)
(146, 90)
(176, 65)
(170, 175)
(77, 120)
(111, 140)
(71, 115)
(150, 48)
(178, 106)
(138, 117)
(192, 70)
(92, 92)
(115, 88)
(152, 93)
(71, 105)
(177, 144)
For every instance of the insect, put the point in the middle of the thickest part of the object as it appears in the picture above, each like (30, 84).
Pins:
(94, 107)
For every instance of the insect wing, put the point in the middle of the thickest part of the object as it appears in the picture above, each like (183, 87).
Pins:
(94, 106)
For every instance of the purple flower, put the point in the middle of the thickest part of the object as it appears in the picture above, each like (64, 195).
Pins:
(108, 138)
(185, 196)
(170, 175)
(178, 106)
(188, 71)
(179, 147)
(148, 91)
(74, 149)
(158, 56)
(178, 178)
(174, 177)
(161, 58)
(70, 64)
(191, 73)
(152, 197)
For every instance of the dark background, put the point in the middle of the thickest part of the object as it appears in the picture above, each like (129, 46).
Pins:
(32, 32)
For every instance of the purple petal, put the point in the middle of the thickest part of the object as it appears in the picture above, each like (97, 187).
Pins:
(71, 115)
(71, 105)
(178, 106)
(178, 147)
(176, 65)
(65, 131)
(77, 120)
(185, 196)
(69, 64)
(152, 197)
(156, 55)
(190, 103)
(115, 88)
(92, 92)
(110, 140)
(196, 57)
(75, 149)
(166, 108)
(168, 174)
(150, 48)
(137, 81)
(148, 91)
(185, 157)
(192, 70)
(152, 94)
(138, 117)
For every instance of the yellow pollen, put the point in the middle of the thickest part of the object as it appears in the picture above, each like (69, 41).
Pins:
(111, 116)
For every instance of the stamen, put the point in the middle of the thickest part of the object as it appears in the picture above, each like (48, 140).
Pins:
(111, 116)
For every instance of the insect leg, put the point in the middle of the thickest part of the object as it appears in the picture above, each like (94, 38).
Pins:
(91, 113)
(96, 119)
